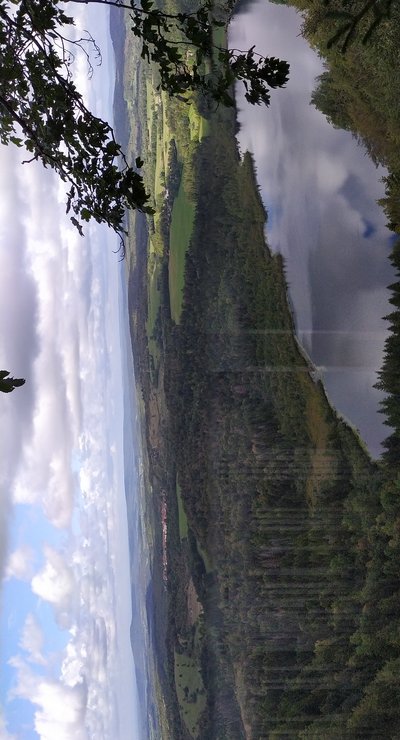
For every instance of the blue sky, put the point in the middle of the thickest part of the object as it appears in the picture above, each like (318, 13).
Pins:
(65, 603)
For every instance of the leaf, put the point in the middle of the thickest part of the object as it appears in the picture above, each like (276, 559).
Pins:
(77, 224)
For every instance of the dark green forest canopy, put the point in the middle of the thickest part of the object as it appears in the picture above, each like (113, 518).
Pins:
(355, 20)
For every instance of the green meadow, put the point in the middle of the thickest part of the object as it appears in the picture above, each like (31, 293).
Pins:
(180, 234)
(189, 686)
(183, 523)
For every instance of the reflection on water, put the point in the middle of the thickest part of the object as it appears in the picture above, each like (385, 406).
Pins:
(320, 191)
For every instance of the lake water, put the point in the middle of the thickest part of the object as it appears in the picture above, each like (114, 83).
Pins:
(320, 190)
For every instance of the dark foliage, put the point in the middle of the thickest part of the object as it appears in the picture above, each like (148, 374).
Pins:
(7, 383)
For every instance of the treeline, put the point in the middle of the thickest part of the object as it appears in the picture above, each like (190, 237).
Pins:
(389, 377)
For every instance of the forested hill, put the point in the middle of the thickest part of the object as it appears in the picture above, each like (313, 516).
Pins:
(301, 528)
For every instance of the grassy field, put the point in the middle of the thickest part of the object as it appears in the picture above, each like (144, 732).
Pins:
(183, 531)
(149, 107)
(183, 213)
(206, 559)
(199, 126)
(158, 134)
(322, 461)
(183, 523)
(154, 302)
(167, 133)
(190, 690)
(159, 138)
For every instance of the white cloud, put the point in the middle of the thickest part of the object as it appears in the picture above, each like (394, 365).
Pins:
(55, 583)
(61, 709)
(73, 665)
(59, 498)
(32, 640)
(53, 300)
(330, 172)
(20, 564)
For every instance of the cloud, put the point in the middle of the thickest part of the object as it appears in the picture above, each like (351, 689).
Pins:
(70, 369)
(18, 336)
(331, 173)
(32, 640)
(46, 336)
(61, 709)
(4, 734)
(59, 498)
(55, 583)
(53, 310)
(20, 564)
(73, 665)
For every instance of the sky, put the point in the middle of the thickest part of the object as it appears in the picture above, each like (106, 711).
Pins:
(320, 190)
(67, 666)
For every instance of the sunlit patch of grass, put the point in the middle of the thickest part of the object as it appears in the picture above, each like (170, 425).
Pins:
(199, 125)
(190, 691)
(183, 522)
(322, 464)
(154, 302)
(182, 221)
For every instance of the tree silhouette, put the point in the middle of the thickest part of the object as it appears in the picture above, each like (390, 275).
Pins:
(7, 383)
